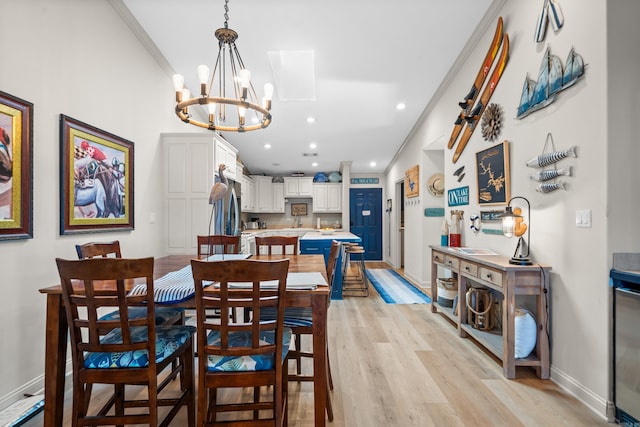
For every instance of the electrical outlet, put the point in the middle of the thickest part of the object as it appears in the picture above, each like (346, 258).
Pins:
(152, 218)
(583, 218)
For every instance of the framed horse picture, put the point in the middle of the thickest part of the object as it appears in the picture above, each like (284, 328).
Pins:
(16, 173)
(96, 178)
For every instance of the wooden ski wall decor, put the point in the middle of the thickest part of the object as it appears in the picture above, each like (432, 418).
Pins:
(471, 112)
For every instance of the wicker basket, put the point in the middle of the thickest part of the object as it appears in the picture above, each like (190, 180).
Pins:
(447, 291)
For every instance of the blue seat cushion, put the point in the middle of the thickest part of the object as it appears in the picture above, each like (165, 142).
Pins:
(168, 340)
(293, 316)
(163, 314)
(261, 362)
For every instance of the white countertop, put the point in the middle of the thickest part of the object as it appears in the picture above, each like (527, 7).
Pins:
(316, 235)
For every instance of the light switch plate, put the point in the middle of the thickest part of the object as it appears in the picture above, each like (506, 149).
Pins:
(583, 218)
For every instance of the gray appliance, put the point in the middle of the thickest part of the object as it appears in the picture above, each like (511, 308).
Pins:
(227, 220)
(625, 277)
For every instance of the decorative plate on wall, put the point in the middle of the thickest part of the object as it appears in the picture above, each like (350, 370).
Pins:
(435, 185)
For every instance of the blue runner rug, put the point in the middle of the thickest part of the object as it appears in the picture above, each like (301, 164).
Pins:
(395, 289)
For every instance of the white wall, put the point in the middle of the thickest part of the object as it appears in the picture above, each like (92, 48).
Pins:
(579, 256)
(78, 58)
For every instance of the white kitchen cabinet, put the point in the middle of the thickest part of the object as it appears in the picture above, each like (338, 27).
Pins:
(327, 197)
(298, 187)
(264, 193)
(278, 197)
(247, 194)
(223, 152)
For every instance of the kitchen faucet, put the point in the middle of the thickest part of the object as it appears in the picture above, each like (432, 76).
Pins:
(297, 221)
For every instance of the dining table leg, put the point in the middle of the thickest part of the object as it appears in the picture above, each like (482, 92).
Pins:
(55, 361)
(319, 313)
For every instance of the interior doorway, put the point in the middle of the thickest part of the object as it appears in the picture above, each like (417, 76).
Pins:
(399, 202)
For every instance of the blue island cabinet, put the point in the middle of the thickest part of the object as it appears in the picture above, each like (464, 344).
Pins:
(316, 243)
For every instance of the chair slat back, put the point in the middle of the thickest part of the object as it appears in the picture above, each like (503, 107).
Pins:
(91, 285)
(332, 262)
(281, 242)
(224, 297)
(218, 243)
(99, 249)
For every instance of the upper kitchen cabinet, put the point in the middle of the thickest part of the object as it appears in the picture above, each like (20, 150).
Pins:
(327, 197)
(298, 187)
(223, 152)
(248, 194)
(268, 195)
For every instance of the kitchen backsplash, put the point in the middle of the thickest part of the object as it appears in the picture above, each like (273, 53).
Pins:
(286, 220)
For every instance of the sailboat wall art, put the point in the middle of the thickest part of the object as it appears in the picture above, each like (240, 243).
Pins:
(553, 78)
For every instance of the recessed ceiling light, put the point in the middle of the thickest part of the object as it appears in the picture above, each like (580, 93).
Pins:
(267, 146)
(372, 164)
(313, 145)
(314, 164)
(400, 106)
(311, 119)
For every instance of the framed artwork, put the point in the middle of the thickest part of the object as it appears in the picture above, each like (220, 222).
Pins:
(493, 174)
(298, 209)
(16, 173)
(411, 178)
(96, 179)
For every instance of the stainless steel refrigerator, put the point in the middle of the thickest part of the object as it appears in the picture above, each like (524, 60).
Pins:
(227, 211)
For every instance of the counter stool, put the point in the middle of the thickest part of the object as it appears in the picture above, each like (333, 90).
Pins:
(354, 278)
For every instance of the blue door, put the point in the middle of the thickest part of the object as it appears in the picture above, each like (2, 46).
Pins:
(365, 209)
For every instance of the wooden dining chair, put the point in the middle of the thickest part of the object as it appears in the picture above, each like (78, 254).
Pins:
(241, 354)
(300, 321)
(282, 242)
(125, 351)
(164, 315)
(208, 245)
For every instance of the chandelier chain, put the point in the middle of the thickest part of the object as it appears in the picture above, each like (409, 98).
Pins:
(226, 13)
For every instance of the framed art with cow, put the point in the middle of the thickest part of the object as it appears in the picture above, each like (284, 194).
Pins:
(96, 176)
(16, 168)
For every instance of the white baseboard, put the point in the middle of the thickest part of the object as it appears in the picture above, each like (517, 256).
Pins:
(35, 386)
(596, 403)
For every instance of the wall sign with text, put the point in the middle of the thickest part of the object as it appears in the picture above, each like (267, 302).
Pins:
(458, 196)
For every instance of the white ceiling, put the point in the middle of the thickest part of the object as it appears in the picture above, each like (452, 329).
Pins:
(369, 56)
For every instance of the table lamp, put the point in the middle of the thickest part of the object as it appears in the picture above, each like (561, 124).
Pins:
(513, 224)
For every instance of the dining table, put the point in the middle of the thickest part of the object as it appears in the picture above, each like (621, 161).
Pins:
(314, 297)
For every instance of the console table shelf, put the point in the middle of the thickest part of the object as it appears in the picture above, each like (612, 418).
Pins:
(509, 280)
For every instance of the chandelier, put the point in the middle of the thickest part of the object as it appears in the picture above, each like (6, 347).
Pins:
(227, 93)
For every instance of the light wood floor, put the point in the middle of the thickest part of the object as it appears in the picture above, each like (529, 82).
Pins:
(401, 365)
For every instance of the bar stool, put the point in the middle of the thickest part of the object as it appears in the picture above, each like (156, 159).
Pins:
(354, 280)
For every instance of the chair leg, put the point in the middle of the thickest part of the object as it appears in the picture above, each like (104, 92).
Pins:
(298, 348)
(329, 376)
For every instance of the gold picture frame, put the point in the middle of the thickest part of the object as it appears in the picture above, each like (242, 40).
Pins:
(96, 179)
(493, 174)
(16, 168)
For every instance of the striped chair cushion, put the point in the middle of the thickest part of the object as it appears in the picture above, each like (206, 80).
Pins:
(168, 340)
(293, 316)
(260, 362)
(173, 287)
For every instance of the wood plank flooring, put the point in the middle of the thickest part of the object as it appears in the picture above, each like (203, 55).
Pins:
(401, 365)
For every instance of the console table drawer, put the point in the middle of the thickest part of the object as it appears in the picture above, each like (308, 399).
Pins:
(490, 275)
(437, 257)
(469, 268)
(451, 262)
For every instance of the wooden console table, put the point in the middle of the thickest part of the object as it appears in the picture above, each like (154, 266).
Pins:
(496, 273)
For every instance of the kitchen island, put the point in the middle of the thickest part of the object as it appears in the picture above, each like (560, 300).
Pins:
(315, 242)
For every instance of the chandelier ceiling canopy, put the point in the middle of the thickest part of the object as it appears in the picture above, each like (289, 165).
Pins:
(227, 92)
